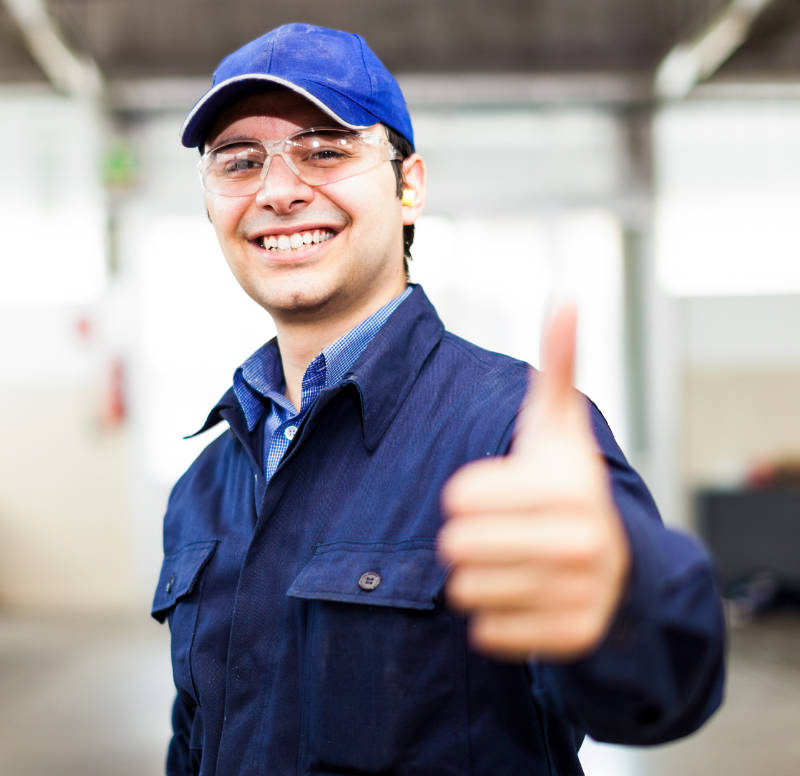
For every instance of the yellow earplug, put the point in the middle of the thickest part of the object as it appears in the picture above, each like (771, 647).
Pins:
(409, 197)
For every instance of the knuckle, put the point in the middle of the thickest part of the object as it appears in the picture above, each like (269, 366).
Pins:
(458, 591)
(586, 633)
(485, 633)
(587, 545)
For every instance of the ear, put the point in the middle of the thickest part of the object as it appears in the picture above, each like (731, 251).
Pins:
(414, 180)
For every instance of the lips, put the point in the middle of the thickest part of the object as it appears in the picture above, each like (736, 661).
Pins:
(295, 240)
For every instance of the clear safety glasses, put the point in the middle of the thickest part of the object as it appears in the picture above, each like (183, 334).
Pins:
(316, 156)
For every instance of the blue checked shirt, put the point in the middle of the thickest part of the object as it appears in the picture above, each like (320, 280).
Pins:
(260, 378)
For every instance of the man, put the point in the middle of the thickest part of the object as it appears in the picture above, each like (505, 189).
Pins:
(365, 573)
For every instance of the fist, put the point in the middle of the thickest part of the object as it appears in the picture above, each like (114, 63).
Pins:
(538, 552)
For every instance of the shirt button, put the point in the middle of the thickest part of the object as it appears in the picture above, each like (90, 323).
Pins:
(169, 584)
(289, 432)
(369, 580)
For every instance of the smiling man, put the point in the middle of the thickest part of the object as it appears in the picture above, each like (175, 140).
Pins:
(313, 233)
(404, 555)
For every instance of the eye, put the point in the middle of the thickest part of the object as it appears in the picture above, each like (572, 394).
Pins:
(324, 148)
(326, 154)
(240, 165)
(236, 160)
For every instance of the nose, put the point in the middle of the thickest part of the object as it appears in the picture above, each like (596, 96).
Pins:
(281, 190)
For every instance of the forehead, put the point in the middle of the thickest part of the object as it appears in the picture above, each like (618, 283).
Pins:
(278, 113)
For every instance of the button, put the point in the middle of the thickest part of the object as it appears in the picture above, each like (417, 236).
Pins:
(369, 580)
(289, 432)
(169, 584)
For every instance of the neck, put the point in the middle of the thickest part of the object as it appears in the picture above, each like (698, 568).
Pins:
(302, 340)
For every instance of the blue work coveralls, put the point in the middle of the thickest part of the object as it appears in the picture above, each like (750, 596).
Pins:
(309, 631)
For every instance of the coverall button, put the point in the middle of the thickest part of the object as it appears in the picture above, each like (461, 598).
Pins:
(369, 580)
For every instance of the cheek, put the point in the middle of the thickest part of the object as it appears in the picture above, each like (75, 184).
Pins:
(377, 213)
(224, 215)
(367, 197)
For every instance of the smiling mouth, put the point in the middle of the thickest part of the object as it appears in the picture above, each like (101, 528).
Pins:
(295, 241)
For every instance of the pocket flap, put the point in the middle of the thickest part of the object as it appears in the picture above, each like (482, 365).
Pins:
(179, 573)
(401, 574)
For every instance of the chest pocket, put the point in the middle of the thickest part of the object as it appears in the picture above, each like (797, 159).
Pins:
(383, 662)
(177, 600)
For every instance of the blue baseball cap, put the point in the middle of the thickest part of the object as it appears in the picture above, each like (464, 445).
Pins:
(335, 70)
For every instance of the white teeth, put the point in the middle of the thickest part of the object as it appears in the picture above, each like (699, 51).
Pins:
(286, 242)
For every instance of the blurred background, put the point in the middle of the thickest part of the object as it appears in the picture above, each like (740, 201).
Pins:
(642, 156)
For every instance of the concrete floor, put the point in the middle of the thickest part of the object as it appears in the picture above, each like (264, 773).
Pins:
(83, 698)
(91, 698)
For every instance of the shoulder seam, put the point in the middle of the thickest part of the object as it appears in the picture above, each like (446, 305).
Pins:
(482, 355)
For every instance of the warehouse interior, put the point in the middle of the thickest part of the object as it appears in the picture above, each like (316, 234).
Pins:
(642, 158)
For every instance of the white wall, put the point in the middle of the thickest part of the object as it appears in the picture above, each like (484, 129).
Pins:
(741, 385)
(727, 244)
(741, 332)
(521, 201)
(65, 521)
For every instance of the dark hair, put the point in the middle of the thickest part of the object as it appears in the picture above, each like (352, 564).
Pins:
(405, 149)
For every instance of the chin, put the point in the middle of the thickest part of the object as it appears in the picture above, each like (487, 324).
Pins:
(293, 302)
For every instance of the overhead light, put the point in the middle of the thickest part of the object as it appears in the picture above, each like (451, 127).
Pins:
(72, 73)
(694, 61)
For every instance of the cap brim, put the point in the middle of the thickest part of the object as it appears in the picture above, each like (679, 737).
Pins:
(205, 112)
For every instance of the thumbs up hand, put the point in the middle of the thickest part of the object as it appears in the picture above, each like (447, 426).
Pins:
(538, 552)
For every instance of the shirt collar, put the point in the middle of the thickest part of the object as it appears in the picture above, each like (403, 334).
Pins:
(260, 377)
(341, 355)
(383, 374)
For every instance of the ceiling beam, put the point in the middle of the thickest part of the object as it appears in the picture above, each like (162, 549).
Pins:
(72, 73)
(693, 61)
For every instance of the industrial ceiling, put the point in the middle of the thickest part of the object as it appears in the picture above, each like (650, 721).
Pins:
(147, 39)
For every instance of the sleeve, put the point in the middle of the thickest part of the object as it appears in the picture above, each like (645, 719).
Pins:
(659, 672)
(182, 758)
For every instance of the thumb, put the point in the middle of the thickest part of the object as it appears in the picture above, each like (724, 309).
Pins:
(558, 358)
(551, 401)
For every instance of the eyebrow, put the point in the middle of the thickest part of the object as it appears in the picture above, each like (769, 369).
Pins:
(233, 139)
(241, 138)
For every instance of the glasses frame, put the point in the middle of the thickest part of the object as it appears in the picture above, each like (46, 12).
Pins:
(277, 147)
